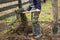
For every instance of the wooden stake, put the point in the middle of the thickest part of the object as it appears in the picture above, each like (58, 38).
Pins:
(55, 10)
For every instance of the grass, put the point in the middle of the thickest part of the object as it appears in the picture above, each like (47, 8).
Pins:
(45, 15)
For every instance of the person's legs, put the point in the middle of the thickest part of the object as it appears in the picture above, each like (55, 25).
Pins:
(35, 24)
(34, 17)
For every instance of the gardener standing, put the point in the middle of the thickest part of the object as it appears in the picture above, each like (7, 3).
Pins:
(35, 6)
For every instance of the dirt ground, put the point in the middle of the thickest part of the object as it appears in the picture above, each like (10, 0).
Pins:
(46, 30)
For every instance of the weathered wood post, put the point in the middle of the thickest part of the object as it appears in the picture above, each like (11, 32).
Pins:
(22, 16)
(55, 15)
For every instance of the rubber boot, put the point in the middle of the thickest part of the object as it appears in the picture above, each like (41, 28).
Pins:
(35, 24)
(55, 29)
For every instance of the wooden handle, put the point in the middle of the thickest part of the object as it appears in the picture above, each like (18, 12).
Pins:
(18, 11)
(30, 11)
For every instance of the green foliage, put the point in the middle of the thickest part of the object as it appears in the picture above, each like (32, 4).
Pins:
(45, 15)
(9, 20)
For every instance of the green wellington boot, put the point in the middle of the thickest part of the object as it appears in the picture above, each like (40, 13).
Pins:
(55, 29)
(35, 25)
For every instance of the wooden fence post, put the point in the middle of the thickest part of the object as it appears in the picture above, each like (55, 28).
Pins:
(55, 15)
(23, 17)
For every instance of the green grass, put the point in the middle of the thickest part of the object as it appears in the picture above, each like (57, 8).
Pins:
(45, 15)
(8, 20)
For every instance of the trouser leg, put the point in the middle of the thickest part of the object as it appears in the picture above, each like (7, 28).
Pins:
(36, 29)
(35, 25)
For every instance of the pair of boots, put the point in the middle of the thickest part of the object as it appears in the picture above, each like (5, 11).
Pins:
(35, 25)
